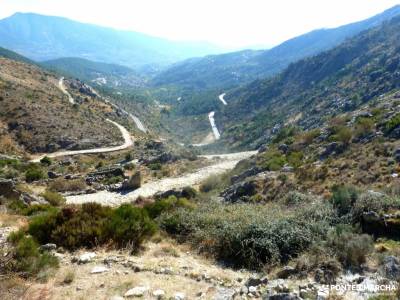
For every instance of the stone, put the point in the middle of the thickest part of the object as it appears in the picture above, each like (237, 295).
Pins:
(248, 173)
(240, 192)
(244, 290)
(396, 154)
(159, 294)
(179, 296)
(7, 189)
(138, 291)
(134, 182)
(281, 296)
(86, 257)
(48, 247)
(117, 298)
(332, 149)
(53, 175)
(287, 169)
(256, 280)
(252, 289)
(98, 270)
(283, 148)
(286, 272)
(391, 268)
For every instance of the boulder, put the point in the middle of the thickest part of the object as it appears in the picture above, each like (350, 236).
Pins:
(283, 148)
(109, 172)
(134, 182)
(256, 280)
(98, 270)
(332, 149)
(286, 272)
(48, 247)
(86, 257)
(179, 296)
(248, 173)
(138, 291)
(240, 192)
(391, 268)
(8, 190)
(282, 296)
(53, 175)
(396, 154)
(159, 294)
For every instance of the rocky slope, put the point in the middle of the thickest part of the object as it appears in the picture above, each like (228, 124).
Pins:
(232, 69)
(38, 117)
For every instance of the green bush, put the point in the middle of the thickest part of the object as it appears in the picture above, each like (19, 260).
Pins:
(273, 160)
(351, 249)
(343, 198)
(46, 161)
(54, 198)
(392, 124)
(65, 185)
(156, 208)
(91, 225)
(84, 227)
(27, 258)
(342, 134)
(155, 166)
(249, 235)
(34, 173)
(373, 201)
(130, 226)
(364, 127)
(210, 184)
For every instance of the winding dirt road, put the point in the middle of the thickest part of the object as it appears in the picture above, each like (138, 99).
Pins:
(64, 90)
(223, 163)
(128, 142)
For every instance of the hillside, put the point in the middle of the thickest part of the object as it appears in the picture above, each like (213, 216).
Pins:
(36, 116)
(229, 70)
(42, 38)
(356, 72)
(14, 56)
(97, 73)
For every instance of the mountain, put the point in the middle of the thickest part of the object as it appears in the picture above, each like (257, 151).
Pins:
(36, 116)
(360, 70)
(41, 38)
(228, 70)
(14, 56)
(101, 74)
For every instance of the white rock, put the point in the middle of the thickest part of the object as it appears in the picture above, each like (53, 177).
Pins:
(99, 269)
(159, 294)
(252, 289)
(116, 298)
(179, 296)
(136, 291)
(86, 257)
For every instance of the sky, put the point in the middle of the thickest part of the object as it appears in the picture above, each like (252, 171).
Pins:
(231, 24)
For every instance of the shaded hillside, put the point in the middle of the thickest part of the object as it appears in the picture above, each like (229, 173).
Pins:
(360, 70)
(101, 74)
(228, 70)
(15, 56)
(44, 37)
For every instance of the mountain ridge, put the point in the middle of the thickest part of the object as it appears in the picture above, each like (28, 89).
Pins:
(41, 37)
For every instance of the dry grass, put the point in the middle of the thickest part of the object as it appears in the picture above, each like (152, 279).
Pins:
(119, 279)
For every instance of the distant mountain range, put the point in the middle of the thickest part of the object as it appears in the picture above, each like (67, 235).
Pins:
(232, 69)
(96, 73)
(43, 38)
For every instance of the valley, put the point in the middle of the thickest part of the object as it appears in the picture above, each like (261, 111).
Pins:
(136, 167)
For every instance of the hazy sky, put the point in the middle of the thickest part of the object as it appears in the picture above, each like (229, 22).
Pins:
(228, 23)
